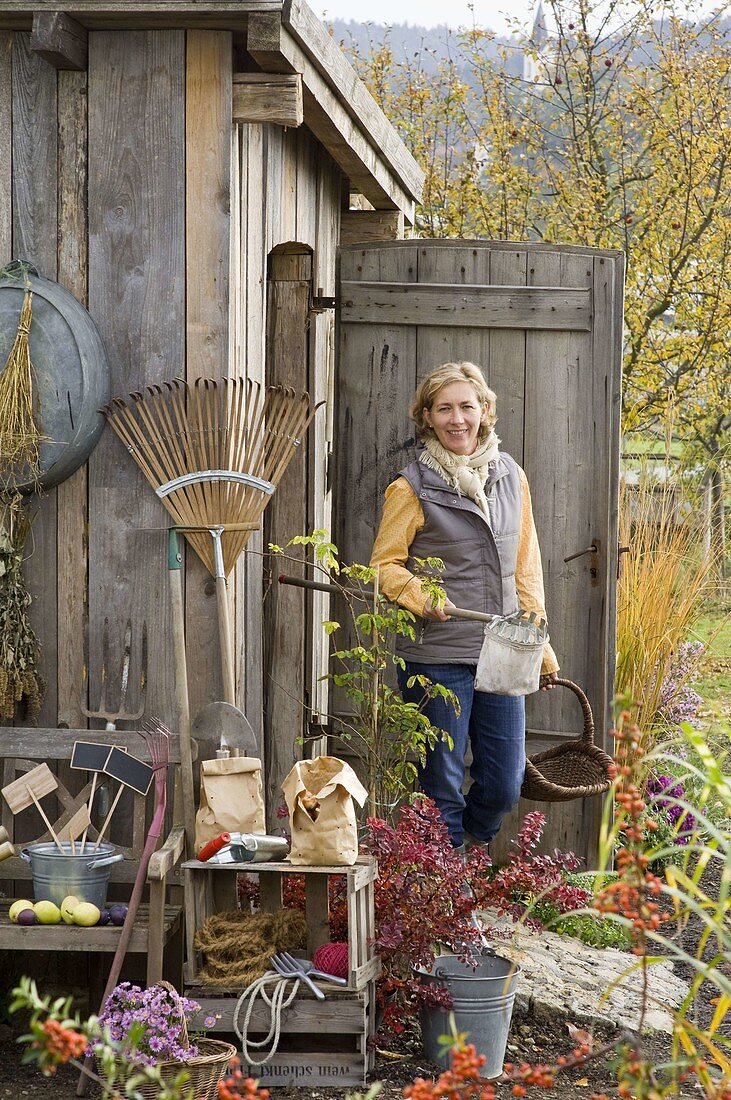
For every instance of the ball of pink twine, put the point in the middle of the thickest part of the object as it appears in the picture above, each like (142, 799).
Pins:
(332, 958)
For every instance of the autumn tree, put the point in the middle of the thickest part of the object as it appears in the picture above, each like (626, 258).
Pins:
(612, 133)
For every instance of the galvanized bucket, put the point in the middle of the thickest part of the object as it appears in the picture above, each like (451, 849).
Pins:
(57, 874)
(482, 999)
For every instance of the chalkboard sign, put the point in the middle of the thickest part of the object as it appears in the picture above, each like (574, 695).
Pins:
(129, 770)
(89, 756)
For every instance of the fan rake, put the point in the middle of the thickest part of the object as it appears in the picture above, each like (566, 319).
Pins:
(214, 452)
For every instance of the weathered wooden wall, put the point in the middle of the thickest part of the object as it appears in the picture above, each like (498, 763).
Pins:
(129, 184)
(287, 191)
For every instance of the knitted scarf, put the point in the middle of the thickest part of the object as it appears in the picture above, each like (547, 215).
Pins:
(465, 473)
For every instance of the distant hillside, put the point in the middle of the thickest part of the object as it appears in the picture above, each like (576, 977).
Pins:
(433, 43)
(440, 43)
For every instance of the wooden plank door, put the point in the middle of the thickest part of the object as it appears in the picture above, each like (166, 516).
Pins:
(545, 324)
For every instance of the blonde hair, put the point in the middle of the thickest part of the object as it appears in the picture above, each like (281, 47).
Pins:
(436, 380)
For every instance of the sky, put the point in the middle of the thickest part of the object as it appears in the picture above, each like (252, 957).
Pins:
(495, 15)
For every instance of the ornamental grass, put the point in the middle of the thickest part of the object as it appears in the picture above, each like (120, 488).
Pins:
(664, 580)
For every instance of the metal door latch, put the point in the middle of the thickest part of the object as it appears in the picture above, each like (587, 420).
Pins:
(593, 549)
(580, 553)
(621, 550)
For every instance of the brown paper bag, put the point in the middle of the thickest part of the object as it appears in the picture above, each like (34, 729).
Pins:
(320, 794)
(231, 799)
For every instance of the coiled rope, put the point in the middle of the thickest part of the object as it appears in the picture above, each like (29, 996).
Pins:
(277, 1002)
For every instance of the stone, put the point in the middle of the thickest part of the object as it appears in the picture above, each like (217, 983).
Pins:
(585, 985)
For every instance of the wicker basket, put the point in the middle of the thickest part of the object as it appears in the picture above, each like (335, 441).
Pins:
(205, 1071)
(574, 769)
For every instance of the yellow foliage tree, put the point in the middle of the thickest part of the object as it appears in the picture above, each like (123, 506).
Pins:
(613, 135)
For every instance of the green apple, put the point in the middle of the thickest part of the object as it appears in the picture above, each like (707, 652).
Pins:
(86, 914)
(17, 907)
(47, 913)
(68, 905)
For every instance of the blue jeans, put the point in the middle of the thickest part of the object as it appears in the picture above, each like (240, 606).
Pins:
(495, 727)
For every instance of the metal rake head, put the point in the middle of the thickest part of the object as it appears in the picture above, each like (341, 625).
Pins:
(157, 737)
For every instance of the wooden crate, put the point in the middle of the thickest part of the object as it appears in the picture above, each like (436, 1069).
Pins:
(322, 1042)
(363, 966)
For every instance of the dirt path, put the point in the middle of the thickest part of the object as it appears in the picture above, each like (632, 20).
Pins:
(532, 1041)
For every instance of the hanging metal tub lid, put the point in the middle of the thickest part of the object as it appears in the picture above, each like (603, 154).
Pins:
(71, 378)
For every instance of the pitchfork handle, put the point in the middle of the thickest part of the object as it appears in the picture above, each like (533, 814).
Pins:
(319, 586)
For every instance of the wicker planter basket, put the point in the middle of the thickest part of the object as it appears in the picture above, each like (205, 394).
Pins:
(205, 1071)
(575, 769)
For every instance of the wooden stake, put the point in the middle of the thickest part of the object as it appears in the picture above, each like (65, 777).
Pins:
(43, 815)
(89, 807)
(108, 818)
(76, 825)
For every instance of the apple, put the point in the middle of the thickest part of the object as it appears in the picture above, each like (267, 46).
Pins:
(68, 905)
(86, 914)
(18, 907)
(47, 913)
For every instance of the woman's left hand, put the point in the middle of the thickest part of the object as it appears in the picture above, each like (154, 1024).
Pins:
(547, 682)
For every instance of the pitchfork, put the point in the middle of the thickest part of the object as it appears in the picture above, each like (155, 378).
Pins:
(111, 717)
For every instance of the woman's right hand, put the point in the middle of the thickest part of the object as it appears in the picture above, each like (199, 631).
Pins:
(431, 612)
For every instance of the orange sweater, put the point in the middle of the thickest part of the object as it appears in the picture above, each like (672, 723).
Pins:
(403, 517)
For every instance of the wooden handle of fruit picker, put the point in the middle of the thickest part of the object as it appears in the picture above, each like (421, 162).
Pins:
(319, 586)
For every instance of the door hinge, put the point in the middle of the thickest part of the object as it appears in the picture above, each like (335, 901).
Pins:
(320, 302)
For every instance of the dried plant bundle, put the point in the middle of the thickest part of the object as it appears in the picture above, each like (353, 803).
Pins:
(19, 647)
(213, 452)
(20, 434)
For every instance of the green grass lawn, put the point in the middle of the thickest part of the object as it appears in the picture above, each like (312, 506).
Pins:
(714, 681)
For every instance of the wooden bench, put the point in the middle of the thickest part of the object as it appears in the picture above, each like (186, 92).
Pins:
(159, 922)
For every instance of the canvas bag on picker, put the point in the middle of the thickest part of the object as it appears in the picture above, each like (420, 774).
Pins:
(512, 654)
(320, 796)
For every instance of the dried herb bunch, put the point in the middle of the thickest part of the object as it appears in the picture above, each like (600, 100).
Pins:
(19, 646)
(20, 435)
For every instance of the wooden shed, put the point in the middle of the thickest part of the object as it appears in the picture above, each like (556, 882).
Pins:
(187, 170)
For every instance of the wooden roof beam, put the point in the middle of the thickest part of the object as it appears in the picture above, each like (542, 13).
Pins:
(268, 97)
(60, 40)
(274, 50)
(137, 14)
(333, 66)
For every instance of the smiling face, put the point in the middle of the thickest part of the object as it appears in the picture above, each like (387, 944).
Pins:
(456, 416)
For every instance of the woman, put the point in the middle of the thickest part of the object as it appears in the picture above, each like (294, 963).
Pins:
(468, 503)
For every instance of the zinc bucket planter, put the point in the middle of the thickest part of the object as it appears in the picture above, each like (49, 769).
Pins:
(57, 874)
(482, 1001)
